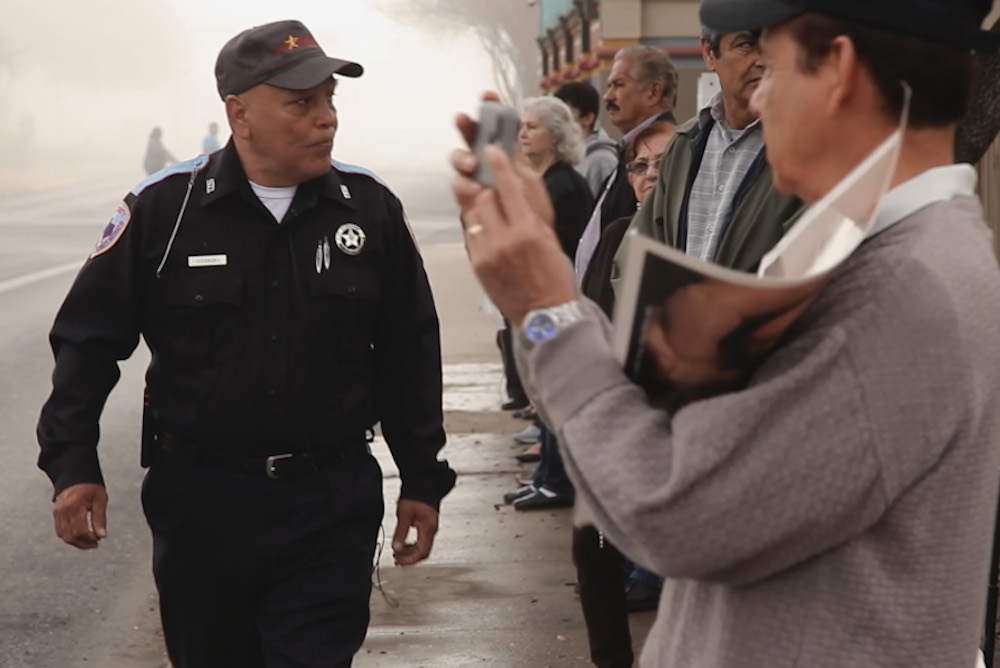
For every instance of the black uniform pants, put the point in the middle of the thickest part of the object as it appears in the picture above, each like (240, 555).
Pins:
(254, 572)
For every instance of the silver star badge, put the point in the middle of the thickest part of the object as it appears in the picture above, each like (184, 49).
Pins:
(350, 238)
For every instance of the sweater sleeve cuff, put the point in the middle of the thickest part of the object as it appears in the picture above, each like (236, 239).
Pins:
(570, 369)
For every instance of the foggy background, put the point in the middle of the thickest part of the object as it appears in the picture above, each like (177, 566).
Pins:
(82, 84)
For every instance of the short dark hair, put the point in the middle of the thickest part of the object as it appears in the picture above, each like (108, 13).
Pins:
(713, 37)
(582, 96)
(940, 75)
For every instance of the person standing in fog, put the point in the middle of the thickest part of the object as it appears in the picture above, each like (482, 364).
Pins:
(210, 144)
(287, 311)
(157, 156)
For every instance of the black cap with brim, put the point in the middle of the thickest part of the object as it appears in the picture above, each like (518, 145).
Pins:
(726, 16)
(313, 72)
(282, 54)
(934, 20)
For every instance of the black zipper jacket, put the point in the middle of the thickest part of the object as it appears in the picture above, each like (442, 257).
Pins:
(266, 338)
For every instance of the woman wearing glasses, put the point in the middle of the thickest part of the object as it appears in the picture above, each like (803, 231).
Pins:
(642, 158)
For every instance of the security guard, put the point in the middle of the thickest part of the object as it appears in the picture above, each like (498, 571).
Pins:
(287, 311)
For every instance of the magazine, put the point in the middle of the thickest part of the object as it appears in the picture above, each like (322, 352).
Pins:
(691, 326)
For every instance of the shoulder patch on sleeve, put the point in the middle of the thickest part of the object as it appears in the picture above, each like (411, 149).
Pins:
(114, 229)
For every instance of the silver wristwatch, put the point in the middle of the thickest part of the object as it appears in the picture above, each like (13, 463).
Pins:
(543, 324)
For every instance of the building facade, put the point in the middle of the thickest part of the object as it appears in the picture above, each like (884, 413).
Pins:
(579, 39)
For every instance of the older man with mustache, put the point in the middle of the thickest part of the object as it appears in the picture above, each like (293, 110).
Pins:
(642, 88)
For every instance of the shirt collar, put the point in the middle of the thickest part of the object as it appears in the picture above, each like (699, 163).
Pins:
(714, 110)
(939, 184)
(631, 134)
(225, 176)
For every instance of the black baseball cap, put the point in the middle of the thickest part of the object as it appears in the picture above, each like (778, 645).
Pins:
(282, 54)
(934, 20)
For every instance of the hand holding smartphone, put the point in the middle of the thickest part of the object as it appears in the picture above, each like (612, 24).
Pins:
(498, 125)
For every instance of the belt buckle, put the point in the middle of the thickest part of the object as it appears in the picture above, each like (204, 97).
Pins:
(269, 467)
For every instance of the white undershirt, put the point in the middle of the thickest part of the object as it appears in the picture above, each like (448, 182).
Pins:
(277, 200)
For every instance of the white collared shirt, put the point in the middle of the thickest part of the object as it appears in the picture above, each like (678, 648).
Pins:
(939, 184)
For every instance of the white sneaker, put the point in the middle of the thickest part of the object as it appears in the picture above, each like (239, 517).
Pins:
(529, 435)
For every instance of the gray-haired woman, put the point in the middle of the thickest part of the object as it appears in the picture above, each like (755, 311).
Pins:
(551, 144)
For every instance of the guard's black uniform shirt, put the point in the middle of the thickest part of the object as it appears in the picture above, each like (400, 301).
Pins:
(266, 338)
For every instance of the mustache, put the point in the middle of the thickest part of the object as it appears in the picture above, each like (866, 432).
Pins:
(611, 106)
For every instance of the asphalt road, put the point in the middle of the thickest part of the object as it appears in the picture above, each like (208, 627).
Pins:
(60, 606)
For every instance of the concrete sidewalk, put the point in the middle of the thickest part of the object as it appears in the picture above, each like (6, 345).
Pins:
(498, 589)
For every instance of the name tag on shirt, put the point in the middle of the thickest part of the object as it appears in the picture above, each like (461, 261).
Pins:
(207, 260)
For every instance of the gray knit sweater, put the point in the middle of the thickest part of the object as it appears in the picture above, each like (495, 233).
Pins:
(839, 510)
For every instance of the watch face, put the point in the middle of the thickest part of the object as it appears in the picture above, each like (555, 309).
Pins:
(540, 328)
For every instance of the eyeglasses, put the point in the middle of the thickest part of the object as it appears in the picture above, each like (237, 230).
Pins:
(641, 166)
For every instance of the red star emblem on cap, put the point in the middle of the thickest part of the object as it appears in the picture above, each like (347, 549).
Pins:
(292, 42)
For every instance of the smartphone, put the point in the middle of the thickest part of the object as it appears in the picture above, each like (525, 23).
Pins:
(498, 124)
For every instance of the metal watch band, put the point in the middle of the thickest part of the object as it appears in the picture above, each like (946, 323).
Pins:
(545, 323)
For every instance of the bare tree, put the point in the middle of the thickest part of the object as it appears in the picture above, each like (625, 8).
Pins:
(981, 124)
(506, 30)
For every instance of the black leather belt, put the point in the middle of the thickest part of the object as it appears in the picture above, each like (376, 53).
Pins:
(281, 466)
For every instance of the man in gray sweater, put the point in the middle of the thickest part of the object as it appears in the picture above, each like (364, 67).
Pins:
(837, 509)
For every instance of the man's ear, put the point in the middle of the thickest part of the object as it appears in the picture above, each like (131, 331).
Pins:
(654, 89)
(840, 70)
(707, 55)
(237, 110)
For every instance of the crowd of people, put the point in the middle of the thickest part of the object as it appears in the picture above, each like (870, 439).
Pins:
(852, 474)
(832, 508)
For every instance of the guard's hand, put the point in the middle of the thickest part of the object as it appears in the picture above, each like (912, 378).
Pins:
(424, 519)
(81, 515)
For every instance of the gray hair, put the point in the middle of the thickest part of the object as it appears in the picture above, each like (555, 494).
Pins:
(650, 64)
(558, 120)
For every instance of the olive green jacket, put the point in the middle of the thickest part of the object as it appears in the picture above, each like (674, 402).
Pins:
(760, 215)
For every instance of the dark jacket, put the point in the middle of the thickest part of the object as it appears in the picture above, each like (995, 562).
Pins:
(596, 283)
(572, 203)
(266, 338)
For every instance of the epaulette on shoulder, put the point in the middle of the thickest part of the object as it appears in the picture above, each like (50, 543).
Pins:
(186, 167)
(345, 168)
(355, 169)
